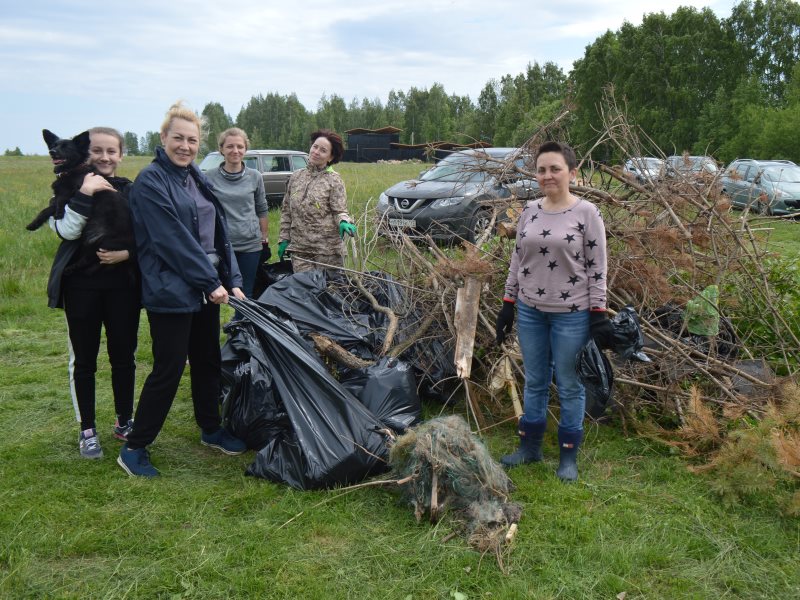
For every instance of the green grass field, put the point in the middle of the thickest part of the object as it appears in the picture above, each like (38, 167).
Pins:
(637, 522)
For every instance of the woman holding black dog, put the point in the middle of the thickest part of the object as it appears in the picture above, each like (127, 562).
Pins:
(97, 287)
(557, 280)
(314, 217)
(187, 266)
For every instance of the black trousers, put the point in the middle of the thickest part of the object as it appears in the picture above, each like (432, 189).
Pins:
(176, 336)
(87, 311)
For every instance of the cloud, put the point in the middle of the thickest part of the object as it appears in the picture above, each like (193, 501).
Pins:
(82, 62)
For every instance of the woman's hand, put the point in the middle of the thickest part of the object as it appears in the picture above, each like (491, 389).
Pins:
(238, 293)
(505, 321)
(112, 257)
(346, 228)
(95, 183)
(219, 296)
(601, 329)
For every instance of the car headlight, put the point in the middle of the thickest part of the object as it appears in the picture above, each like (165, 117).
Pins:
(442, 202)
(383, 202)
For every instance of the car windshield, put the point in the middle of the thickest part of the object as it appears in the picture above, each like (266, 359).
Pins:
(212, 161)
(461, 169)
(646, 163)
(789, 173)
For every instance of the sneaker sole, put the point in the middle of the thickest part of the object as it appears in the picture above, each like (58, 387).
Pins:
(131, 473)
(121, 436)
(92, 456)
(223, 450)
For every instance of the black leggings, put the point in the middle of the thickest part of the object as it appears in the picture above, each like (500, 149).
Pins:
(176, 336)
(87, 311)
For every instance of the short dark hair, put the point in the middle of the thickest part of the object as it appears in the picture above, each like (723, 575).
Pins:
(567, 152)
(337, 146)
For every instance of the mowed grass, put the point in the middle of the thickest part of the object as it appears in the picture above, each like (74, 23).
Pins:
(637, 521)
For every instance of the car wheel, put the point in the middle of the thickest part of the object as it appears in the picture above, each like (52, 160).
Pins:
(478, 224)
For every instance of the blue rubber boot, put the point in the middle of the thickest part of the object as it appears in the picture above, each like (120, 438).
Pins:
(568, 444)
(530, 444)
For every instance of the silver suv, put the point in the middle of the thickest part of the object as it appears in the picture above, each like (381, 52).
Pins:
(452, 199)
(275, 166)
(769, 187)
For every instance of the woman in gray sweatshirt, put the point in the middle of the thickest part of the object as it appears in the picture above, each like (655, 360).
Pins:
(240, 190)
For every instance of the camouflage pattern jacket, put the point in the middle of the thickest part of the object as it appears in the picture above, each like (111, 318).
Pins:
(314, 205)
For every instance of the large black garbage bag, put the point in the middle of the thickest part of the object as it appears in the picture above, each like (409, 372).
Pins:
(388, 389)
(269, 273)
(336, 309)
(331, 438)
(594, 371)
(250, 411)
(628, 336)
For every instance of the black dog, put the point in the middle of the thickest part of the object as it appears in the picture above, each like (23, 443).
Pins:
(69, 164)
(109, 226)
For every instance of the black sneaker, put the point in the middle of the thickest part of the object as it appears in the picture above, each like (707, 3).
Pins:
(121, 431)
(136, 462)
(223, 441)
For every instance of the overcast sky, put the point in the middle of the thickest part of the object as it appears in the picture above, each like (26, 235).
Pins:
(71, 65)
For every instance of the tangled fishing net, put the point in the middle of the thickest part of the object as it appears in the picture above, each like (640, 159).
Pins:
(445, 467)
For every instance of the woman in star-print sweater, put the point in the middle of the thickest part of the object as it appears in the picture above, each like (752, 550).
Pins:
(557, 280)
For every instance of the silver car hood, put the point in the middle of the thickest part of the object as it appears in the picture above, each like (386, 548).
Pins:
(416, 189)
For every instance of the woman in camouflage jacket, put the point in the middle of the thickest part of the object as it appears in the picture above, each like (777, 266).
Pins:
(314, 217)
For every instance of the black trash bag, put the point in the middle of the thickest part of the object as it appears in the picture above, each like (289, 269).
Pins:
(595, 372)
(269, 273)
(336, 309)
(250, 410)
(628, 336)
(388, 389)
(670, 317)
(330, 439)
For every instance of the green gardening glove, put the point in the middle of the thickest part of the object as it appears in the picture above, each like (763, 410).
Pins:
(348, 228)
(282, 248)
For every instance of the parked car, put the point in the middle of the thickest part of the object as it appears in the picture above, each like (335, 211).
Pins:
(275, 166)
(449, 200)
(769, 187)
(691, 167)
(645, 169)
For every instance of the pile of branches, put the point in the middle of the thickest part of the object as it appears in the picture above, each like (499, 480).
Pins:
(668, 241)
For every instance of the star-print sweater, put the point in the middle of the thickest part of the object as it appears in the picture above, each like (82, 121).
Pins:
(559, 263)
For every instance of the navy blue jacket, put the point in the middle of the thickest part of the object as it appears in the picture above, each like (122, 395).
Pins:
(177, 276)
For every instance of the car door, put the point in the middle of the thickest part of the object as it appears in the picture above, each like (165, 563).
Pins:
(738, 186)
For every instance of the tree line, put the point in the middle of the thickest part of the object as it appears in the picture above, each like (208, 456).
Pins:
(690, 81)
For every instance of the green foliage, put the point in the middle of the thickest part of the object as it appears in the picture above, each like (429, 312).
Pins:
(131, 143)
(216, 121)
(15, 152)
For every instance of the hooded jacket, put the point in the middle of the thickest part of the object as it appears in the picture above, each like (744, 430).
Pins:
(177, 275)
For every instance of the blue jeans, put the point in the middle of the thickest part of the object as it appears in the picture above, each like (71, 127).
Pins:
(248, 266)
(552, 340)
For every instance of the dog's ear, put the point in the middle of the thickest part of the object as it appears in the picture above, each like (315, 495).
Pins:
(82, 142)
(50, 138)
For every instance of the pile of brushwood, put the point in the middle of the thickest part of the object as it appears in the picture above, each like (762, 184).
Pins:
(719, 388)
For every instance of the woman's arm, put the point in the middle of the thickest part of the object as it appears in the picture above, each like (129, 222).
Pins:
(337, 201)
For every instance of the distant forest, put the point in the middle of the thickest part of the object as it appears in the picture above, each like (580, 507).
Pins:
(690, 80)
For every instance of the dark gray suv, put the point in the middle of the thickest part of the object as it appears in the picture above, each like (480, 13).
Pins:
(769, 187)
(275, 166)
(450, 199)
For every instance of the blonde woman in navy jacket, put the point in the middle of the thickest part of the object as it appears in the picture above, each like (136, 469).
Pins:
(188, 268)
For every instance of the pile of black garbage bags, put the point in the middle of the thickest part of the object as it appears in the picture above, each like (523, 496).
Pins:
(310, 429)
